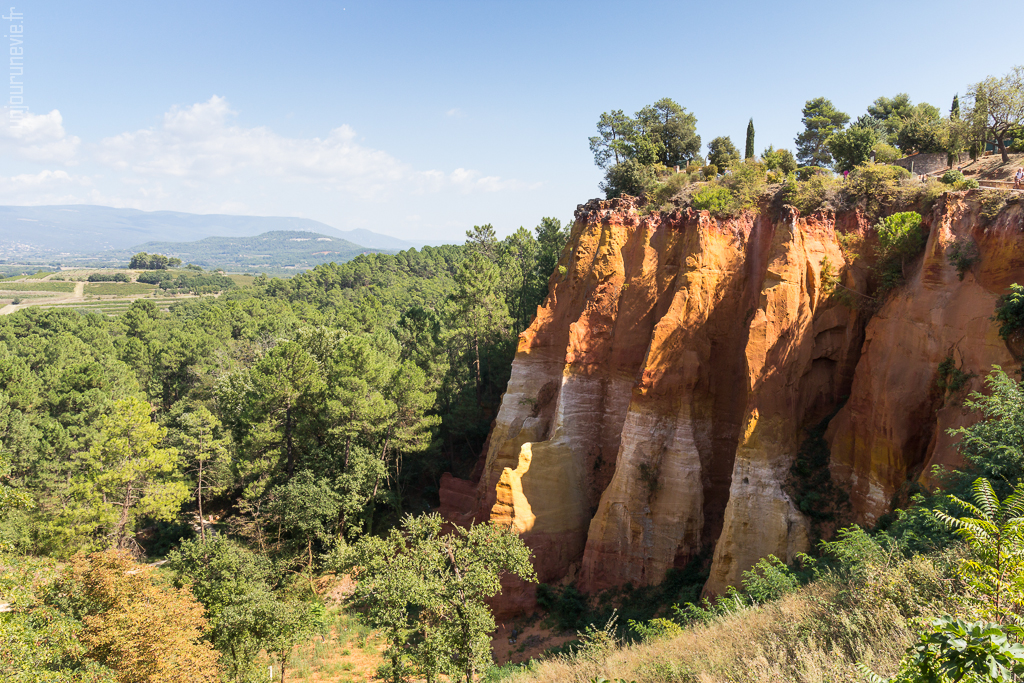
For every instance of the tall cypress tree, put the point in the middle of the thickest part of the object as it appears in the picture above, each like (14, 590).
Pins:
(954, 111)
(749, 152)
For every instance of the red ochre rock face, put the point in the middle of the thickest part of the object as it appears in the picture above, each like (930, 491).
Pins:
(661, 394)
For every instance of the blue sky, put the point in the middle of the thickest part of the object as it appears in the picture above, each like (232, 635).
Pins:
(421, 119)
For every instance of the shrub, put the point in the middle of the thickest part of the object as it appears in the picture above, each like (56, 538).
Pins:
(952, 177)
(713, 198)
(820, 192)
(710, 171)
(656, 628)
(929, 192)
(878, 186)
(951, 378)
(567, 605)
(747, 182)
(629, 177)
(1010, 311)
(780, 160)
(966, 184)
(886, 154)
(808, 172)
(992, 203)
(1017, 145)
(963, 254)
(769, 580)
(154, 277)
(108, 277)
(899, 240)
(670, 188)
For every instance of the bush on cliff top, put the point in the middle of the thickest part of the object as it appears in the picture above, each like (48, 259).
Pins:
(715, 199)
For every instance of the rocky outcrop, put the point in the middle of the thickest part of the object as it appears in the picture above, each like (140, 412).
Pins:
(659, 398)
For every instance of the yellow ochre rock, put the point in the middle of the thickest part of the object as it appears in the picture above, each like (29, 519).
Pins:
(659, 398)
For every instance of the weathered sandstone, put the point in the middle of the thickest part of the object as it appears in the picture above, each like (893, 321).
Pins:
(659, 398)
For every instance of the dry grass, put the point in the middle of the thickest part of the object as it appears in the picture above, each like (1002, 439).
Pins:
(348, 653)
(815, 635)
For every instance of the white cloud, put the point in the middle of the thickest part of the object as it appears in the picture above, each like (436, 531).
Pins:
(198, 158)
(201, 142)
(455, 112)
(38, 137)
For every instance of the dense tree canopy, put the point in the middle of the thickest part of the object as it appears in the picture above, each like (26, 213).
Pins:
(630, 150)
(820, 120)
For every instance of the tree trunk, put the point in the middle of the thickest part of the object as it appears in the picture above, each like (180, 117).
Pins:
(1002, 146)
(199, 503)
(479, 387)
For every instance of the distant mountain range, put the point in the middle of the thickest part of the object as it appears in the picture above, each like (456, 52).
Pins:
(271, 252)
(55, 231)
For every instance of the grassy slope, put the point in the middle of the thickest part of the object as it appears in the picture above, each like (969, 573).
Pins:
(815, 635)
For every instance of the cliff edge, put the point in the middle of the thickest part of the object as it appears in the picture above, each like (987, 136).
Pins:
(661, 395)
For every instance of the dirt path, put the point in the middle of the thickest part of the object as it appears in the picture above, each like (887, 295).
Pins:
(77, 295)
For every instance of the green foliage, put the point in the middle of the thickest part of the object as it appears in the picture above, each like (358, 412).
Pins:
(804, 173)
(994, 446)
(108, 277)
(922, 130)
(190, 282)
(820, 191)
(994, 532)
(567, 605)
(886, 153)
(953, 650)
(810, 482)
(630, 150)
(710, 172)
(779, 159)
(851, 147)
(124, 476)
(655, 628)
(1010, 312)
(245, 614)
(952, 176)
(820, 120)
(963, 254)
(900, 240)
(992, 203)
(749, 148)
(747, 184)
(876, 187)
(713, 198)
(144, 261)
(629, 177)
(722, 154)
(427, 590)
(952, 378)
(769, 580)
(997, 106)
(670, 187)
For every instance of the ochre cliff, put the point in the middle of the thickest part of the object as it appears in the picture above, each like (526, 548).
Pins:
(659, 398)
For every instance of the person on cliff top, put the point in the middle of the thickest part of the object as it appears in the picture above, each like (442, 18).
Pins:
(1018, 179)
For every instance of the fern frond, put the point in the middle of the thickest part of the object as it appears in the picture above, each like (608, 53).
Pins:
(870, 675)
(986, 498)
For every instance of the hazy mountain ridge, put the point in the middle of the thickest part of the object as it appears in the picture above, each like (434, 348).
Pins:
(279, 249)
(43, 231)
